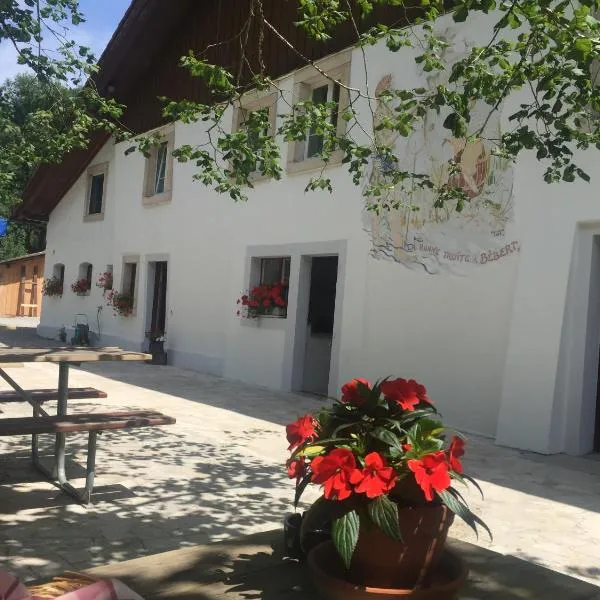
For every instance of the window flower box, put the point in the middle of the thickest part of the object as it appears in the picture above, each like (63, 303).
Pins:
(105, 281)
(264, 301)
(81, 287)
(122, 304)
(53, 286)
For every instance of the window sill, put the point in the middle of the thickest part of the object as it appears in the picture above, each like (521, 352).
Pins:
(157, 199)
(93, 217)
(312, 164)
(265, 322)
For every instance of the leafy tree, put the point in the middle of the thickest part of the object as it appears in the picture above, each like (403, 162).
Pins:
(49, 111)
(545, 51)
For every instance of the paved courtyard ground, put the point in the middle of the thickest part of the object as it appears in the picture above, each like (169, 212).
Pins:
(218, 474)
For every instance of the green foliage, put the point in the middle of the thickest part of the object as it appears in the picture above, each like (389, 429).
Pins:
(344, 534)
(547, 51)
(47, 111)
(384, 513)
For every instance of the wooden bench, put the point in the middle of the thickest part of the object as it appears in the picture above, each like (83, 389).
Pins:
(93, 423)
(45, 395)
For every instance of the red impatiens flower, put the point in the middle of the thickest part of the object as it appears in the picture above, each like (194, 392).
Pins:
(351, 391)
(300, 431)
(406, 393)
(296, 468)
(456, 450)
(378, 477)
(337, 472)
(431, 473)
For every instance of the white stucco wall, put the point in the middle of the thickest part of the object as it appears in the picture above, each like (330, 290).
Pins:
(489, 344)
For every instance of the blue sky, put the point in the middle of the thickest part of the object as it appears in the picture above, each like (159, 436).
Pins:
(102, 18)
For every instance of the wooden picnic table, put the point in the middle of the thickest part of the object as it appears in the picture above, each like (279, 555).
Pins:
(65, 357)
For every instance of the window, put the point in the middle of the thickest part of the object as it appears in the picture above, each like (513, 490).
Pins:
(252, 104)
(105, 281)
(58, 272)
(275, 270)
(159, 171)
(84, 280)
(270, 290)
(311, 85)
(96, 192)
(323, 94)
(129, 281)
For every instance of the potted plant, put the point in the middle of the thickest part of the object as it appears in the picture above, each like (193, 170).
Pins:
(122, 304)
(81, 287)
(388, 472)
(105, 281)
(156, 346)
(52, 287)
(264, 300)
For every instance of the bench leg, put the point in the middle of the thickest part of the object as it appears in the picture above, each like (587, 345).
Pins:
(91, 467)
(58, 473)
(61, 409)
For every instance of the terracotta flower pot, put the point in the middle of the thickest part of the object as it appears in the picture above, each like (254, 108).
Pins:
(383, 562)
(331, 579)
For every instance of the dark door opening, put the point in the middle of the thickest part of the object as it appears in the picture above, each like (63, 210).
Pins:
(320, 322)
(597, 426)
(159, 299)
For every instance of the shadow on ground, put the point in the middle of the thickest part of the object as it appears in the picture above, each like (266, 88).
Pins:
(255, 568)
(227, 495)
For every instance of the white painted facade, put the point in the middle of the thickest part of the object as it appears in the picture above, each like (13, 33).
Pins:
(508, 349)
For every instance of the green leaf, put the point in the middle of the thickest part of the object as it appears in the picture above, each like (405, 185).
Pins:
(386, 436)
(300, 489)
(583, 48)
(384, 513)
(310, 451)
(344, 533)
(448, 497)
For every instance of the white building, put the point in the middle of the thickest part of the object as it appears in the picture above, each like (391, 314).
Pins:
(496, 310)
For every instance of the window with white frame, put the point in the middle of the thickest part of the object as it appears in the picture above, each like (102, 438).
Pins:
(251, 104)
(159, 171)
(274, 279)
(96, 192)
(313, 86)
(58, 273)
(130, 281)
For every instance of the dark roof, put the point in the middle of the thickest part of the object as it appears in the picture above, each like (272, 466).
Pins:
(24, 257)
(131, 51)
(141, 62)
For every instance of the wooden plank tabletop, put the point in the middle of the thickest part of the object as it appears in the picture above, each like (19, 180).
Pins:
(69, 354)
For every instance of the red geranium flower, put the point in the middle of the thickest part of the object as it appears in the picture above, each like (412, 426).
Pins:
(300, 431)
(378, 477)
(337, 472)
(406, 393)
(296, 468)
(351, 391)
(456, 450)
(431, 473)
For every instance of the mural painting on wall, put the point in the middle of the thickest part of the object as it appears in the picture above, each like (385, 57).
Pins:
(442, 239)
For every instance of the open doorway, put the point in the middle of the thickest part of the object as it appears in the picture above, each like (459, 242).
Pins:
(597, 422)
(320, 324)
(158, 281)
